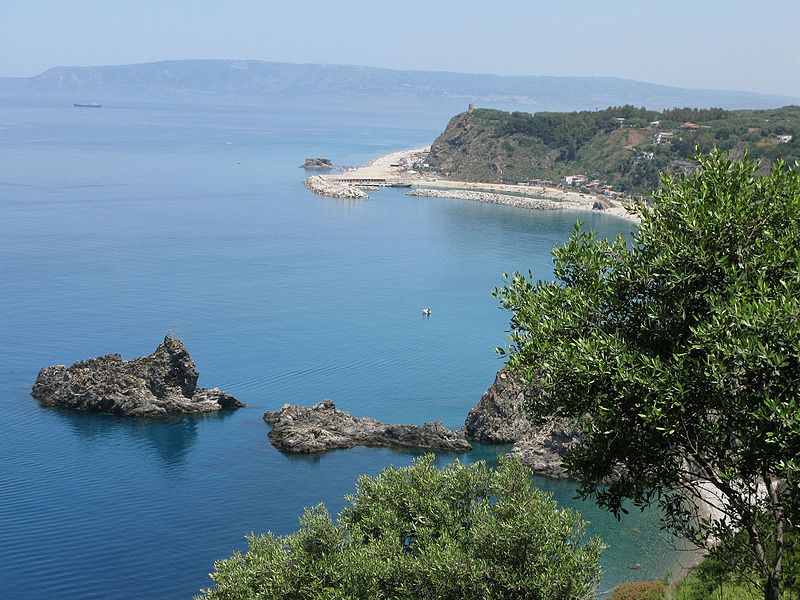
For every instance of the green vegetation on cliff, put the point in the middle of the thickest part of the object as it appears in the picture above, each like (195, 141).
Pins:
(624, 147)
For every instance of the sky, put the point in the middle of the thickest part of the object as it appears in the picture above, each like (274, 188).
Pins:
(718, 44)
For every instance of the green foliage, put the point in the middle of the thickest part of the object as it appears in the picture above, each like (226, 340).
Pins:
(640, 590)
(422, 532)
(693, 588)
(727, 572)
(679, 354)
(612, 145)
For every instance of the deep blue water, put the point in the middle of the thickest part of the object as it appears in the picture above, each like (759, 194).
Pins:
(122, 224)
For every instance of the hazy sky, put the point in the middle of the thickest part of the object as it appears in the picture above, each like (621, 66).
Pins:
(724, 44)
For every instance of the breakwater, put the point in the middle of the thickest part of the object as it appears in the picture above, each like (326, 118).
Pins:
(323, 187)
(490, 197)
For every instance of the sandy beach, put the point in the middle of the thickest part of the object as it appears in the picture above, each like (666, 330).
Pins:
(397, 167)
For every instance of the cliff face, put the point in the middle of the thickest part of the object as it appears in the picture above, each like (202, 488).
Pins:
(499, 417)
(470, 149)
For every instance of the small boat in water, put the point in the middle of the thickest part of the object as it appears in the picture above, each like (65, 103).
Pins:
(88, 105)
(400, 185)
(426, 311)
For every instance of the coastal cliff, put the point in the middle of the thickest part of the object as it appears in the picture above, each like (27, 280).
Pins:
(499, 417)
(158, 385)
(324, 427)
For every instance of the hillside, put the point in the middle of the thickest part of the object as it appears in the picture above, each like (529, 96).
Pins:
(251, 81)
(623, 147)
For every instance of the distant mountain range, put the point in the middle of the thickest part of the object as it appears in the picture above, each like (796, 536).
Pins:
(256, 82)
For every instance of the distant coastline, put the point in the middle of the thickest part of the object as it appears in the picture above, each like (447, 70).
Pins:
(398, 168)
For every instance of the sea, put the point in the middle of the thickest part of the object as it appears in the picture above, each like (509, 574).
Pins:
(122, 224)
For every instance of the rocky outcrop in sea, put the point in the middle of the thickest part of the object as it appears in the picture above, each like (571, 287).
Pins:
(321, 186)
(161, 384)
(499, 417)
(317, 163)
(324, 427)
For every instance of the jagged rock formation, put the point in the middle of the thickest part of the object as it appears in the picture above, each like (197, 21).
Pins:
(161, 384)
(499, 417)
(324, 427)
(544, 448)
(317, 163)
(321, 186)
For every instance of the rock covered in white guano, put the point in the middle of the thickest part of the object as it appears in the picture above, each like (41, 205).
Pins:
(333, 189)
(161, 384)
(324, 427)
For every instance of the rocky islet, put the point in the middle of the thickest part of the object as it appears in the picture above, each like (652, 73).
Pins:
(321, 427)
(317, 163)
(164, 383)
(161, 384)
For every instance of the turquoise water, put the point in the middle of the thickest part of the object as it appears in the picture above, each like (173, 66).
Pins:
(119, 225)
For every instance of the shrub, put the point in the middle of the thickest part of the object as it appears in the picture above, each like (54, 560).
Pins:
(422, 532)
(640, 590)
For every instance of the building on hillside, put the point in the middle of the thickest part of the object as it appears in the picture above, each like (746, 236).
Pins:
(783, 139)
(574, 180)
(690, 125)
(663, 137)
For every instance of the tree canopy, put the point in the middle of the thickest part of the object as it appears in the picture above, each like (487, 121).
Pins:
(679, 355)
(459, 532)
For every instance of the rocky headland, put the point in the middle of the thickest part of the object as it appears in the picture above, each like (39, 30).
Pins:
(317, 163)
(332, 189)
(324, 427)
(161, 384)
(499, 418)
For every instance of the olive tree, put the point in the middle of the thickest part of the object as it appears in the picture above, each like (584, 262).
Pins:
(424, 533)
(678, 353)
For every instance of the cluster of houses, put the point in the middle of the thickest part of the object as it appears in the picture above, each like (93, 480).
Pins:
(593, 186)
(538, 182)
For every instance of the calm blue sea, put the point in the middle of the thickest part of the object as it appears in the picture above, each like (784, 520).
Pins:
(120, 224)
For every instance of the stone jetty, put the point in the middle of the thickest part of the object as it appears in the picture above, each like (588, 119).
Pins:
(323, 187)
(490, 198)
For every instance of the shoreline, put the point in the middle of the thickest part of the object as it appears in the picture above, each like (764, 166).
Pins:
(397, 168)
